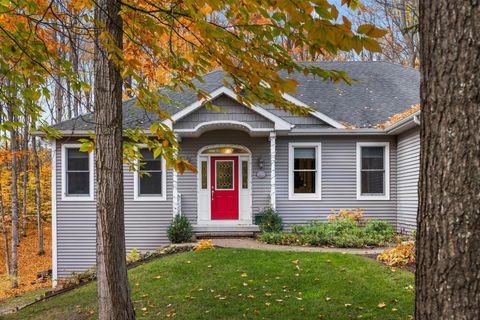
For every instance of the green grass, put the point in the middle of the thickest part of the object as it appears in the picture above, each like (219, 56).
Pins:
(28, 297)
(209, 285)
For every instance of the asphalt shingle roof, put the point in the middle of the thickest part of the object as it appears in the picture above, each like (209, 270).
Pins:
(382, 90)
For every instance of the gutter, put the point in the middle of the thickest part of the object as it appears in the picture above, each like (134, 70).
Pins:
(336, 132)
(409, 122)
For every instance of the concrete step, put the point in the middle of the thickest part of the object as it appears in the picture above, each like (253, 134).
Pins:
(225, 231)
(219, 234)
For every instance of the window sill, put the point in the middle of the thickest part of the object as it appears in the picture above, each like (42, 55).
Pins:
(151, 199)
(297, 197)
(385, 198)
(77, 198)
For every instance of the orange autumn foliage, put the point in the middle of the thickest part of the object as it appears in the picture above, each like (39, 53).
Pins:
(399, 116)
(45, 182)
(29, 263)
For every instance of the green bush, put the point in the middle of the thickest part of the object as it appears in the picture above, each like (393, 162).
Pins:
(270, 221)
(339, 233)
(180, 230)
(134, 255)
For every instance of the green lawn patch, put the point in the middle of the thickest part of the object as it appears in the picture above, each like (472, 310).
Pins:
(251, 284)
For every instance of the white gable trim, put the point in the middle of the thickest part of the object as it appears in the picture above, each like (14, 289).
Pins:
(280, 124)
(316, 114)
(198, 128)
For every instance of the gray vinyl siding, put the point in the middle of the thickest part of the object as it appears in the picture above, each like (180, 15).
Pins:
(408, 167)
(300, 122)
(230, 110)
(338, 184)
(145, 223)
(260, 148)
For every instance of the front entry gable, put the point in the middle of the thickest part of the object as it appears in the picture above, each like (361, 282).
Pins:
(231, 111)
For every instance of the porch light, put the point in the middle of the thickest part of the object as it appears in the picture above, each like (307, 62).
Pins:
(227, 150)
(260, 162)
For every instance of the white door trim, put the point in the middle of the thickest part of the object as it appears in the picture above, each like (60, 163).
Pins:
(204, 195)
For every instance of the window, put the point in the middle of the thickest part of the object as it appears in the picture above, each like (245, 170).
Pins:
(77, 175)
(150, 178)
(304, 171)
(373, 170)
(204, 175)
(244, 174)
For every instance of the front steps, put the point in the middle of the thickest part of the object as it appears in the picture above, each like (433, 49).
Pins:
(225, 231)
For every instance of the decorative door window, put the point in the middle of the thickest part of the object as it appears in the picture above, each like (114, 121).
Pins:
(224, 175)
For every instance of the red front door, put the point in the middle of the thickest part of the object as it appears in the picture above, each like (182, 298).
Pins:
(224, 187)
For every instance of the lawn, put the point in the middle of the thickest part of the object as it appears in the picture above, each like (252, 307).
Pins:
(251, 284)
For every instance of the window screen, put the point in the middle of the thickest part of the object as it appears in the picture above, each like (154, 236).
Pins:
(78, 172)
(373, 171)
(150, 174)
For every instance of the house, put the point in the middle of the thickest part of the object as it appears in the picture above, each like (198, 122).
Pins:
(249, 159)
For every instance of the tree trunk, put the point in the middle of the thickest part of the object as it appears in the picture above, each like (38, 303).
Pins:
(4, 230)
(448, 238)
(25, 178)
(112, 283)
(14, 195)
(38, 199)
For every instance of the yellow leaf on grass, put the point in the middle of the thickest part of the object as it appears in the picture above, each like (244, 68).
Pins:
(244, 275)
(382, 305)
(295, 261)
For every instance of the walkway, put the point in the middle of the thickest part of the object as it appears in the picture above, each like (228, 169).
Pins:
(245, 243)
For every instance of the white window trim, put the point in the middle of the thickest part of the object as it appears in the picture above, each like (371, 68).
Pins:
(65, 196)
(136, 184)
(318, 177)
(386, 164)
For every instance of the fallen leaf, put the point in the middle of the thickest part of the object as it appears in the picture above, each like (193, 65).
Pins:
(394, 310)
(244, 275)
(144, 309)
(382, 305)
(348, 305)
(295, 261)
(158, 277)
(328, 298)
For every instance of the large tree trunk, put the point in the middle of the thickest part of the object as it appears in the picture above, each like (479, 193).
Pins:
(112, 282)
(38, 198)
(14, 195)
(448, 238)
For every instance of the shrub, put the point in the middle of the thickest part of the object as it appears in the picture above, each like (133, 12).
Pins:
(270, 221)
(134, 255)
(346, 215)
(340, 232)
(377, 227)
(402, 255)
(180, 230)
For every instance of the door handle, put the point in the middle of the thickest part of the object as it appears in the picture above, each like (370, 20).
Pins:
(213, 192)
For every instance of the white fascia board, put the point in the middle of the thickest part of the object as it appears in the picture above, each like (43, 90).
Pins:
(336, 132)
(404, 124)
(316, 114)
